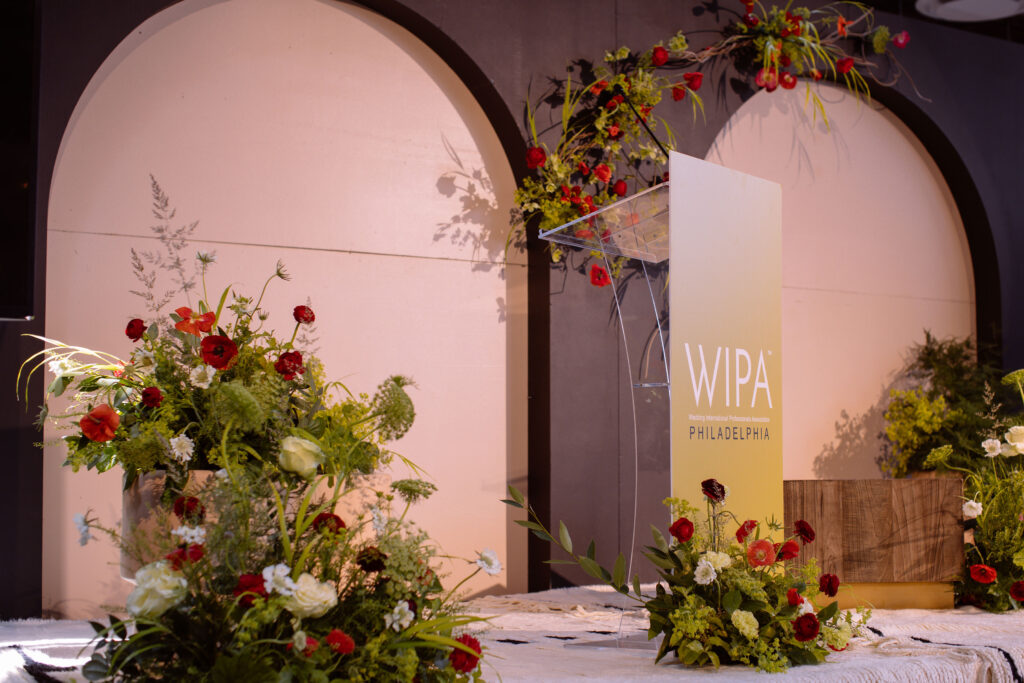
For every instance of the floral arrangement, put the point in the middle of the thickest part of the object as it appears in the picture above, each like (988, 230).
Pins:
(724, 601)
(283, 563)
(606, 144)
(993, 511)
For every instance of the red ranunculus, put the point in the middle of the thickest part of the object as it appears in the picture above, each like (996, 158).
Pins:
(982, 573)
(249, 586)
(599, 276)
(289, 365)
(303, 314)
(793, 597)
(806, 627)
(371, 559)
(828, 584)
(583, 168)
(693, 79)
(901, 39)
(218, 352)
(536, 157)
(183, 554)
(761, 553)
(678, 92)
(1017, 591)
(620, 188)
(151, 397)
(329, 521)
(598, 87)
(787, 551)
(462, 661)
(804, 531)
(100, 423)
(194, 323)
(682, 529)
(713, 490)
(751, 20)
(136, 328)
(189, 509)
(340, 642)
(745, 530)
(659, 56)
(787, 80)
(844, 65)
(603, 173)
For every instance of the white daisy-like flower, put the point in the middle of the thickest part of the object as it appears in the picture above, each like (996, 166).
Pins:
(190, 534)
(718, 561)
(992, 447)
(61, 367)
(489, 562)
(141, 358)
(83, 529)
(277, 577)
(202, 376)
(400, 617)
(972, 509)
(704, 573)
(182, 448)
(379, 523)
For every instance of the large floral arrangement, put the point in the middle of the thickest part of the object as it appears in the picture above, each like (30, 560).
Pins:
(251, 573)
(603, 141)
(731, 598)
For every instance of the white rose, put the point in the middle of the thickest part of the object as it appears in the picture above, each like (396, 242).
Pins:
(972, 509)
(300, 456)
(1015, 437)
(704, 573)
(992, 447)
(311, 598)
(158, 588)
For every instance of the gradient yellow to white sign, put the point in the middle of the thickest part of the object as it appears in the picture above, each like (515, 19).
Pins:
(725, 296)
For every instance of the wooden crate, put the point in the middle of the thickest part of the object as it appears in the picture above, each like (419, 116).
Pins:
(896, 542)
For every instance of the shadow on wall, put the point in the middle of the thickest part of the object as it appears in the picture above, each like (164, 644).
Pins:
(859, 445)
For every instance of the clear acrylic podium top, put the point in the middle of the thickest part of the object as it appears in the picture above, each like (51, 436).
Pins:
(636, 226)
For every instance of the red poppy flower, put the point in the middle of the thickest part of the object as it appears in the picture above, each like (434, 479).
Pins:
(311, 645)
(1017, 591)
(982, 573)
(583, 168)
(844, 65)
(599, 276)
(787, 551)
(767, 79)
(761, 553)
(678, 92)
(462, 661)
(828, 584)
(816, 74)
(289, 365)
(806, 627)
(745, 530)
(189, 509)
(713, 490)
(787, 80)
(803, 530)
(901, 39)
(603, 173)
(620, 188)
(303, 314)
(598, 87)
(218, 352)
(693, 79)
(751, 20)
(100, 423)
(659, 56)
(329, 521)
(249, 586)
(535, 157)
(681, 529)
(194, 323)
(793, 597)
(183, 554)
(340, 642)
(151, 397)
(136, 328)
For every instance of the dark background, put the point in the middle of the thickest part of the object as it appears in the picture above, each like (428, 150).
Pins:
(579, 447)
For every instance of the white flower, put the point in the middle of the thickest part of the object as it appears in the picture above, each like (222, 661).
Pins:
(972, 509)
(1008, 450)
(379, 523)
(311, 598)
(489, 562)
(61, 367)
(1015, 437)
(108, 381)
(717, 560)
(182, 448)
(992, 447)
(158, 588)
(705, 573)
(83, 529)
(277, 577)
(190, 534)
(746, 623)
(400, 617)
(222, 474)
(805, 608)
(202, 376)
(142, 359)
(300, 456)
